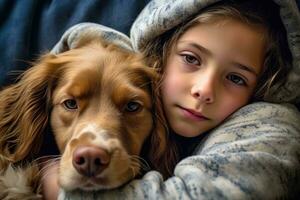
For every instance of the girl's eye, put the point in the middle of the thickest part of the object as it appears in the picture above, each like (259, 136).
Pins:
(133, 106)
(189, 59)
(236, 79)
(70, 104)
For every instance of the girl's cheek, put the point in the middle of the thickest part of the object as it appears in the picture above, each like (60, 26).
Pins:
(232, 104)
(171, 84)
(228, 110)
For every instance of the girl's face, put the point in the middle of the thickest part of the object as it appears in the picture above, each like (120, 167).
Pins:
(210, 73)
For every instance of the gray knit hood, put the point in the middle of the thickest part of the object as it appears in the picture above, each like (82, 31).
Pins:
(162, 15)
(72, 36)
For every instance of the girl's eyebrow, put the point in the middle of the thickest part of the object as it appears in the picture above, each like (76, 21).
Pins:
(246, 68)
(206, 51)
(197, 46)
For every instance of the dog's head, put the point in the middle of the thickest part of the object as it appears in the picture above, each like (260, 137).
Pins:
(101, 116)
(98, 100)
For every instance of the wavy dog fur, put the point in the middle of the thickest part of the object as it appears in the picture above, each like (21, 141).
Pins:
(36, 101)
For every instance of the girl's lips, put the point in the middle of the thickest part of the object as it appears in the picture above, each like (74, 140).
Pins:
(192, 114)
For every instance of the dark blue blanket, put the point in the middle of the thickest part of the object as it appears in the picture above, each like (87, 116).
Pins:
(31, 27)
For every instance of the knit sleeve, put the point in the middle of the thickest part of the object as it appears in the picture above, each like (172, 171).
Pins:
(253, 155)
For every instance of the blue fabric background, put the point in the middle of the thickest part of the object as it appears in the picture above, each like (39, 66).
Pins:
(31, 27)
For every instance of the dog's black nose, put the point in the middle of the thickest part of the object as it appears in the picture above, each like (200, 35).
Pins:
(90, 161)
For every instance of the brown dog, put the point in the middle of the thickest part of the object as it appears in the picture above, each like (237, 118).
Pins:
(97, 99)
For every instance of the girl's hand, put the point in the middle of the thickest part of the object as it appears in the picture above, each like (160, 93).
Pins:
(49, 181)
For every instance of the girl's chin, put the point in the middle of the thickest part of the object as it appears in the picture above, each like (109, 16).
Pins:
(188, 131)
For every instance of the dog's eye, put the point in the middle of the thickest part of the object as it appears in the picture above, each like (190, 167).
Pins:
(70, 104)
(133, 106)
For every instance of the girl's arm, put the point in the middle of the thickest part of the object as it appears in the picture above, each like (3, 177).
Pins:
(253, 155)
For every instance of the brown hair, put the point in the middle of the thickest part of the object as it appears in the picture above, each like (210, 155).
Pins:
(278, 58)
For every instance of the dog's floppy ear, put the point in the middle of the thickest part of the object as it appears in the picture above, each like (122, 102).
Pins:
(24, 110)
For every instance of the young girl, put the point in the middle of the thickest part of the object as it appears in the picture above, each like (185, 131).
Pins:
(216, 57)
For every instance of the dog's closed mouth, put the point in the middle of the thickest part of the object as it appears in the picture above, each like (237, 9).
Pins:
(93, 183)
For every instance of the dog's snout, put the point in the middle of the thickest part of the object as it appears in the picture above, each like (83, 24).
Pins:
(90, 161)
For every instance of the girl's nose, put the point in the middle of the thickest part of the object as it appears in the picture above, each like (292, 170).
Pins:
(203, 90)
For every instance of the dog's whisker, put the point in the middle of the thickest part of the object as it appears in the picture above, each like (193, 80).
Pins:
(49, 169)
(144, 164)
(48, 164)
(47, 161)
(50, 161)
(133, 171)
(46, 157)
(45, 169)
(47, 174)
(137, 164)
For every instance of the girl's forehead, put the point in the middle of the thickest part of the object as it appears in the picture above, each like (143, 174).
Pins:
(231, 41)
